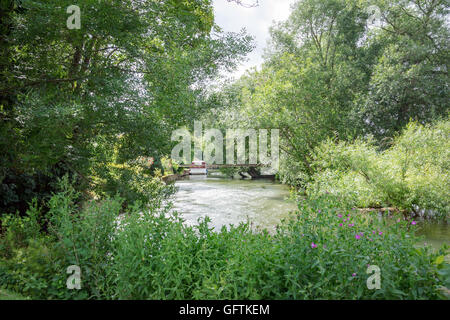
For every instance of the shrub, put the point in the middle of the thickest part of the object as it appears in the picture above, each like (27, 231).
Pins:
(157, 257)
(412, 174)
(320, 252)
(75, 237)
(132, 183)
(19, 229)
(84, 238)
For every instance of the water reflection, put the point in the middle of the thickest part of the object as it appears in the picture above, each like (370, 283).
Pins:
(435, 233)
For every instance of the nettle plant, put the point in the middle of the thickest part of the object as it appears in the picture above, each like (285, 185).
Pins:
(320, 252)
(411, 175)
(335, 248)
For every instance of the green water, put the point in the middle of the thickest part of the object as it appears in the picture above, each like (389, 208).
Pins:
(435, 233)
(263, 202)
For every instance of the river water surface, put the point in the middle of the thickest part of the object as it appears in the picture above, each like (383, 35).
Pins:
(262, 202)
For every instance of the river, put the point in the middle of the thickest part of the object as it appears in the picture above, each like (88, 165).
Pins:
(262, 202)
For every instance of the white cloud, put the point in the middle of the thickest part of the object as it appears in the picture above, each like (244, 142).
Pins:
(257, 21)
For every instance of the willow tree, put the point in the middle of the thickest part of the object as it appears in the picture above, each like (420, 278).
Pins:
(330, 72)
(122, 80)
(306, 86)
(410, 79)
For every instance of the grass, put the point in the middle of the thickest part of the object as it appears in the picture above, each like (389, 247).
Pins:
(8, 295)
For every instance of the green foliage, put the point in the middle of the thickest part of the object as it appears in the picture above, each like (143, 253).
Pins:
(320, 252)
(327, 75)
(132, 183)
(109, 92)
(167, 165)
(75, 236)
(19, 229)
(7, 295)
(84, 239)
(409, 79)
(88, 104)
(412, 174)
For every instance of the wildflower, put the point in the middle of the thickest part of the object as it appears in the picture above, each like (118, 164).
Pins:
(351, 225)
(313, 245)
(413, 223)
(320, 211)
(353, 274)
(380, 233)
(398, 220)
(340, 224)
(340, 215)
(357, 237)
(373, 232)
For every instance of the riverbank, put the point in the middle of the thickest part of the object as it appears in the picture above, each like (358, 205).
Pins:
(266, 203)
(319, 253)
(8, 295)
(174, 177)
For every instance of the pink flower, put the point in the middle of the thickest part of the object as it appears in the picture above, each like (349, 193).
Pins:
(398, 220)
(413, 223)
(380, 233)
(320, 211)
(313, 245)
(373, 232)
(340, 215)
(353, 274)
(357, 237)
(351, 225)
(340, 224)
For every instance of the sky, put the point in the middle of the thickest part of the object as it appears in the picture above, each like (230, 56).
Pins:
(257, 20)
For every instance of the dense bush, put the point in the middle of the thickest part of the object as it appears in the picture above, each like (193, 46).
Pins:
(19, 188)
(83, 236)
(132, 183)
(412, 174)
(321, 252)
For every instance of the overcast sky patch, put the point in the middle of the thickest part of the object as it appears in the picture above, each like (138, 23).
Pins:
(257, 21)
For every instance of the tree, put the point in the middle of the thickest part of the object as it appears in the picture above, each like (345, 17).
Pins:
(306, 86)
(122, 81)
(410, 79)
